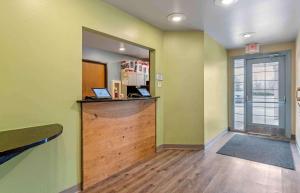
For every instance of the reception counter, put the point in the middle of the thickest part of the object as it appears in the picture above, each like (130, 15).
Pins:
(116, 134)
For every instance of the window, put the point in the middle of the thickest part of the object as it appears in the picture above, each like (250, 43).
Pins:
(239, 94)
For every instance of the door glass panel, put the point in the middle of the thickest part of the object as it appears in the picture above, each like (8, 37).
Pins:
(272, 120)
(265, 93)
(259, 84)
(239, 93)
(258, 119)
(259, 95)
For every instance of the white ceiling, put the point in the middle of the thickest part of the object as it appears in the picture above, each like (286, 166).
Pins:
(273, 20)
(102, 42)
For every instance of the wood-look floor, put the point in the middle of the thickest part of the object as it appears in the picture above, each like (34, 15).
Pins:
(179, 171)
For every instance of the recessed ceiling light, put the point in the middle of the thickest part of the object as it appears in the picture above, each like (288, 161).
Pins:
(225, 3)
(176, 17)
(247, 34)
(122, 47)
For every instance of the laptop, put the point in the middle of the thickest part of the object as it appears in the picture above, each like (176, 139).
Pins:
(143, 92)
(101, 93)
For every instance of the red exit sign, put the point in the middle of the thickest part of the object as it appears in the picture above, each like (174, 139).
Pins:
(252, 48)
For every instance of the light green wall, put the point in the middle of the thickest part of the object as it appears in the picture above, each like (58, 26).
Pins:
(183, 87)
(40, 81)
(298, 85)
(215, 88)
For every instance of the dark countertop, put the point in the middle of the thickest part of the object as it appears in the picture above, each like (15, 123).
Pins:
(115, 100)
(14, 142)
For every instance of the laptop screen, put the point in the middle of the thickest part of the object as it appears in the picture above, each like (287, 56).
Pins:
(144, 92)
(101, 93)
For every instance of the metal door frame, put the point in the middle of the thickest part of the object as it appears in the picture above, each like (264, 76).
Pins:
(288, 83)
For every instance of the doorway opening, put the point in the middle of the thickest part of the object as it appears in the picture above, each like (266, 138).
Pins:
(114, 64)
(261, 90)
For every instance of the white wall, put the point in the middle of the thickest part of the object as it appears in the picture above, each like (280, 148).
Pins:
(298, 85)
(113, 61)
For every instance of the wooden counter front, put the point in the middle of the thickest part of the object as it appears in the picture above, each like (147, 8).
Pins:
(115, 136)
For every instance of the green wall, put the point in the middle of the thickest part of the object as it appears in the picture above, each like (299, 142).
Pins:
(40, 81)
(195, 88)
(215, 88)
(183, 87)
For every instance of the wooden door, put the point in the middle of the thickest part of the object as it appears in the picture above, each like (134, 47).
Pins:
(93, 76)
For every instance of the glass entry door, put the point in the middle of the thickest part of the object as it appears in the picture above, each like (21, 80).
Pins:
(265, 96)
(259, 102)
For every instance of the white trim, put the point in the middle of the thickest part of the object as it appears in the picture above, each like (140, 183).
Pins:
(215, 139)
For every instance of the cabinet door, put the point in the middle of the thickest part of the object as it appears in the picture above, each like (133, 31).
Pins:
(93, 76)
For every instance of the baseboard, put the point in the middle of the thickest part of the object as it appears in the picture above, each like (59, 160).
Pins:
(180, 146)
(159, 148)
(73, 189)
(293, 137)
(213, 140)
(192, 147)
